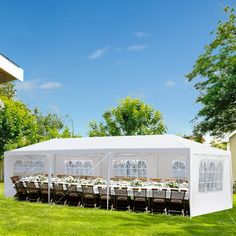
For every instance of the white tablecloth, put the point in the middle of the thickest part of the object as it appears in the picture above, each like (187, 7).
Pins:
(129, 189)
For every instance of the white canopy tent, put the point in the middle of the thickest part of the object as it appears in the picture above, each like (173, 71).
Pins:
(207, 169)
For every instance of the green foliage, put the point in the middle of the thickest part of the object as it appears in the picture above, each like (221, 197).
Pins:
(49, 126)
(18, 126)
(8, 90)
(196, 138)
(215, 70)
(131, 117)
(218, 144)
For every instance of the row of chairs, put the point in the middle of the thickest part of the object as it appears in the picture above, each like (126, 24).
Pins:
(158, 203)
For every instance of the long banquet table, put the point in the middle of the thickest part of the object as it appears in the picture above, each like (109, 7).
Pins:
(129, 188)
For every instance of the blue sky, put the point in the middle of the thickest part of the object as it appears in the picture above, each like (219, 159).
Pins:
(81, 57)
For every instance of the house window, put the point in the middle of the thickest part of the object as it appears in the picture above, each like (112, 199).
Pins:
(210, 176)
(78, 167)
(131, 168)
(179, 169)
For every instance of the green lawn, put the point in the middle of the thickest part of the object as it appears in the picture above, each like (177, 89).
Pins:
(24, 218)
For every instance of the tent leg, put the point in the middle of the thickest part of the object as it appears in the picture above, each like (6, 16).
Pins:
(49, 178)
(108, 179)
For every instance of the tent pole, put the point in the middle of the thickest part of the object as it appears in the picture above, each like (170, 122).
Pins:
(108, 179)
(49, 177)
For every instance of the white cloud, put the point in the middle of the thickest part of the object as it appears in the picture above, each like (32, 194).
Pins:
(170, 83)
(137, 47)
(141, 34)
(27, 86)
(98, 53)
(50, 85)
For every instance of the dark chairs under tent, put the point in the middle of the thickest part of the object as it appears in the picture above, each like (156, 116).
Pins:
(176, 203)
(33, 192)
(89, 198)
(15, 179)
(158, 201)
(74, 196)
(44, 192)
(140, 202)
(59, 194)
(103, 197)
(21, 192)
(121, 199)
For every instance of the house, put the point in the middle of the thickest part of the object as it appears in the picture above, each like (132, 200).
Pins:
(231, 146)
(9, 70)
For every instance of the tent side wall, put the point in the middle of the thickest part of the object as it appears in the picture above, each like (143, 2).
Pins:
(159, 165)
(210, 196)
(9, 170)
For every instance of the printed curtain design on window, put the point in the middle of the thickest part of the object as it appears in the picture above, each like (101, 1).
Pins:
(210, 176)
(179, 169)
(78, 167)
(131, 168)
(29, 167)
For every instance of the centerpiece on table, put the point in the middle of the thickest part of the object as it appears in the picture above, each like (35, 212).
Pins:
(70, 179)
(172, 184)
(136, 183)
(41, 178)
(99, 181)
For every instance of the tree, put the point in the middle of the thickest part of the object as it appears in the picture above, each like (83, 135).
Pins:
(51, 126)
(196, 138)
(218, 144)
(8, 90)
(18, 126)
(131, 117)
(216, 68)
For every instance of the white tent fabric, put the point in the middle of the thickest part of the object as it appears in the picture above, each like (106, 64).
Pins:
(165, 143)
(159, 151)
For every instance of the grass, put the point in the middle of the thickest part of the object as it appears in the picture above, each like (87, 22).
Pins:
(24, 218)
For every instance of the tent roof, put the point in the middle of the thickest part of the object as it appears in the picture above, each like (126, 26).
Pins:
(147, 143)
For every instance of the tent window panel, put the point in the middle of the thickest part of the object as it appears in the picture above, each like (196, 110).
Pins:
(29, 167)
(210, 176)
(131, 168)
(119, 168)
(179, 169)
(202, 187)
(87, 167)
(78, 167)
(142, 169)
